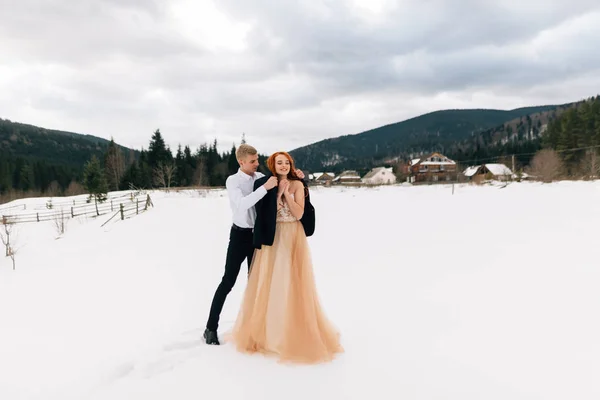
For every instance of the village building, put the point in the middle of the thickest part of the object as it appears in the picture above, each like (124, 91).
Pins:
(380, 176)
(324, 178)
(488, 171)
(347, 177)
(434, 167)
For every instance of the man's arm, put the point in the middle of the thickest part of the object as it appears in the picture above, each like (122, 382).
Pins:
(240, 202)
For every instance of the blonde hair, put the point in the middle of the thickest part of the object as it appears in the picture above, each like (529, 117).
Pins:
(245, 150)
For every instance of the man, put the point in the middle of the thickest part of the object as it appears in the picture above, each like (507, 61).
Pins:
(242, 198)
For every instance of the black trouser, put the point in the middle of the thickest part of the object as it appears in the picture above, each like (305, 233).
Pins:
(240, 248)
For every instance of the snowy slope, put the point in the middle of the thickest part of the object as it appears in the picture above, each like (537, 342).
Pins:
(485, 294)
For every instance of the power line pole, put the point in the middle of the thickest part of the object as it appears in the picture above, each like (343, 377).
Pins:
(513, 163)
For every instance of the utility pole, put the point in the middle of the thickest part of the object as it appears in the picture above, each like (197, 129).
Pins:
(513, 163)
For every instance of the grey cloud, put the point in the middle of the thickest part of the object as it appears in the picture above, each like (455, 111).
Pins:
(124, 66)
(346, 56)
(88, 32)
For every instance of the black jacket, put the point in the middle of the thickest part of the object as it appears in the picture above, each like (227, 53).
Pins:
(266, 215)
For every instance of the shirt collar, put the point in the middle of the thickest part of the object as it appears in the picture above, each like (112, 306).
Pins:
(245, 175)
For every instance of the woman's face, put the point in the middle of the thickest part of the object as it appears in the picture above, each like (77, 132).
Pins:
(282, 165)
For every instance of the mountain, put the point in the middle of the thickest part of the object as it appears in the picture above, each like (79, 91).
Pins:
(35, 160)
(51, 146)
(435, 131)
(520, 135)
(564, 128)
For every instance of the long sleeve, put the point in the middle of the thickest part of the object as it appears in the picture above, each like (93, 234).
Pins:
(239, 202)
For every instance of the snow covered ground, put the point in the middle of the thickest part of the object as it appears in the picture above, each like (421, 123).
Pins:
(486, 293)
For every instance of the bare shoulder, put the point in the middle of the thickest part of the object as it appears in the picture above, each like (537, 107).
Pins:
(296, 185)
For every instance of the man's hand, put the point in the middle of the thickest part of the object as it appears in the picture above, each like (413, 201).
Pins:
(270, 183)
(300, 174)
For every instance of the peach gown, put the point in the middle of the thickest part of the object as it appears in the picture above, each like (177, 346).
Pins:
(280, 313)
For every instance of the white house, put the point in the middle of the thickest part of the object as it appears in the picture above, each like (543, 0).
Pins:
(380, 176)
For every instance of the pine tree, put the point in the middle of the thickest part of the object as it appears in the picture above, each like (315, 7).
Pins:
(5, 176)
(94, 180)
(157, 151)
(189, 166)
(180, 165)
(232, 162)
(26, 178)
(131, 177)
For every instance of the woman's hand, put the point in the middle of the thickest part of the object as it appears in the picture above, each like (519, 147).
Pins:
(284, 186)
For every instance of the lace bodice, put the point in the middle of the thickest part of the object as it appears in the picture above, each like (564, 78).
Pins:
(283, 212)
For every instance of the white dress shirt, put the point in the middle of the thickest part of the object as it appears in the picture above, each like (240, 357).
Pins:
(243, 197)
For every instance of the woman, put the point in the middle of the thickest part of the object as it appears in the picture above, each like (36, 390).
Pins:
(280, 312)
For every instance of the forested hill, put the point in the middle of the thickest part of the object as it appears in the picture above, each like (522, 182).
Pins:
(50, 146)
(435, 131)
(36, 160)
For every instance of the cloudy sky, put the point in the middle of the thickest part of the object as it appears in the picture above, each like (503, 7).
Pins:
(287, 73)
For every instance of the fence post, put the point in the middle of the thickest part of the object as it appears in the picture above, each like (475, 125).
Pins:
(122, 214)
(111, 206)
(137, 206)
(37, 216)
(72, 214)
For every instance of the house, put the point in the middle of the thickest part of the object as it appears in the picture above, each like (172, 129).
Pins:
(488, 171)
(431, 168)
(380, 176)
(347, 177)
(323, 177)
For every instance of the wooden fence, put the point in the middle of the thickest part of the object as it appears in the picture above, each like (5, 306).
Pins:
(125, 206)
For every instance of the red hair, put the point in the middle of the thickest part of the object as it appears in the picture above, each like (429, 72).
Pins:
(271, 165)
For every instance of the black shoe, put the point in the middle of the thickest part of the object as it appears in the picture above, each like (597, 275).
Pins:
(211, 337)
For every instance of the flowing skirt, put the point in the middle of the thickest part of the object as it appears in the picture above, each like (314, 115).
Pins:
(280, 313)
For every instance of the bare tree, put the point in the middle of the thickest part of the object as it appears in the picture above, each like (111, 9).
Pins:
(546, 165)
(74, 189)
(158, 176)
(169, 172)
(130, 158)
(60, 222)
(53, 189)
(115, 167)
(164, 173)
(12, 254)
(7, 236)
(5, 233)
(201, 173)
(590, 165)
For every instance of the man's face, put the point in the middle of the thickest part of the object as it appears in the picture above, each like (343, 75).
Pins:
(249, 164)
